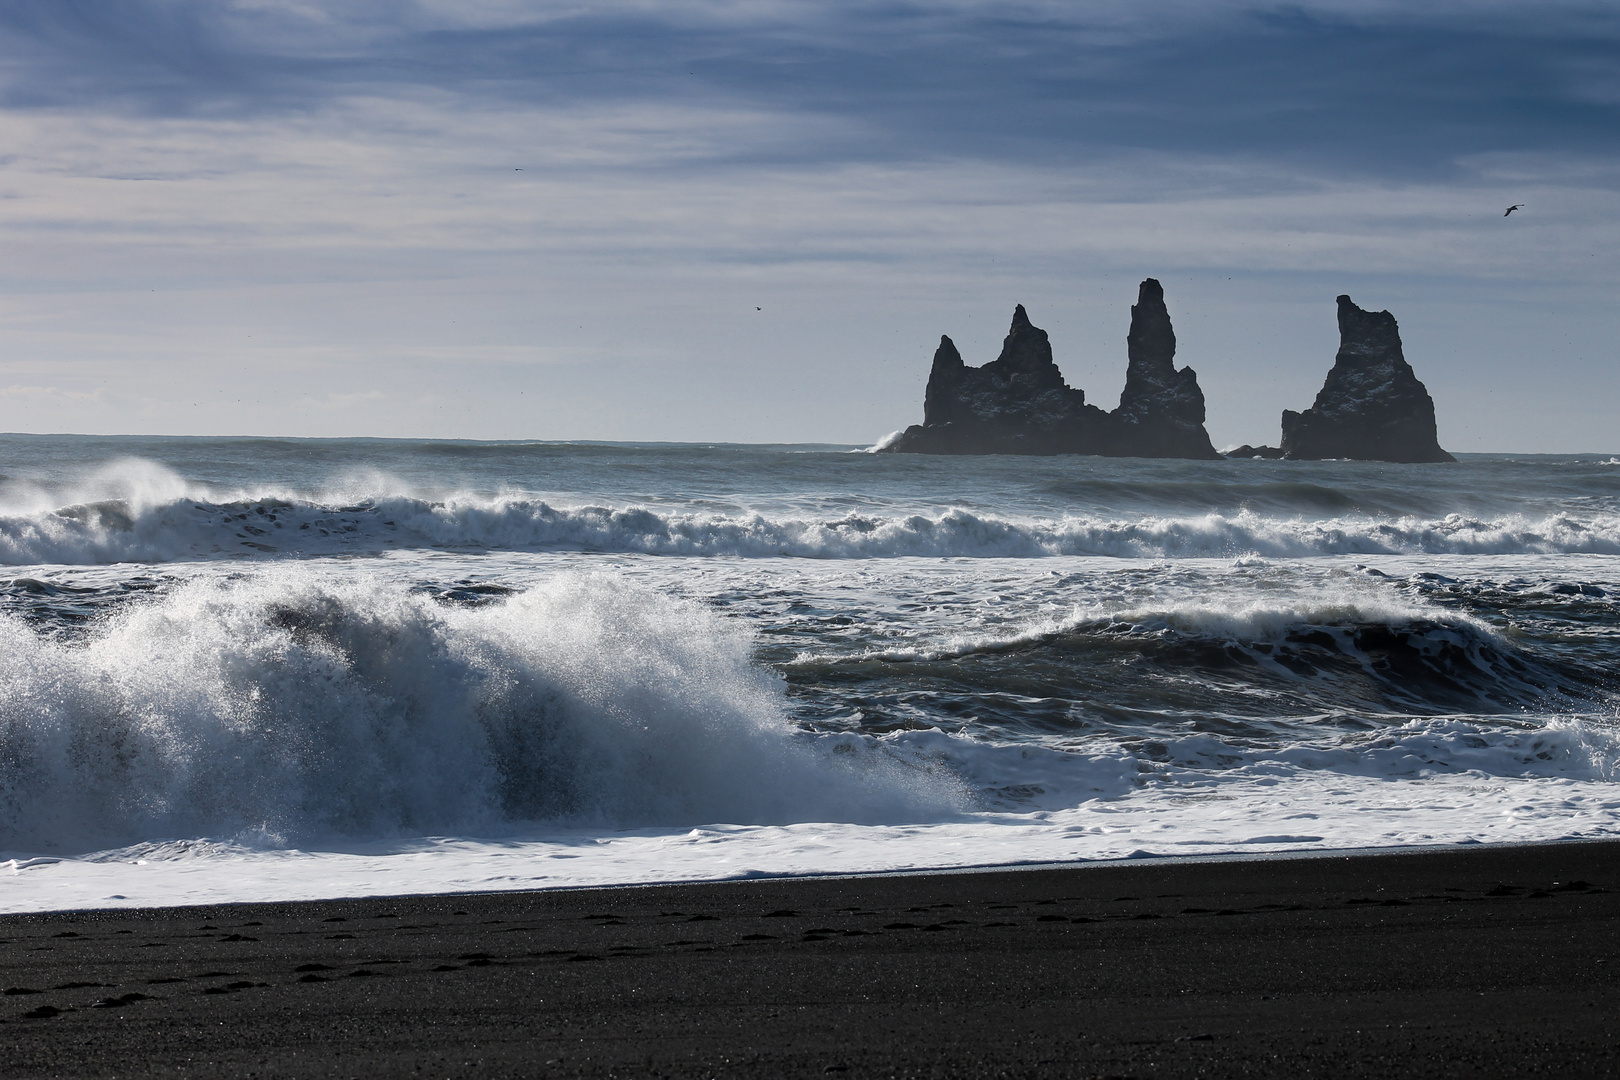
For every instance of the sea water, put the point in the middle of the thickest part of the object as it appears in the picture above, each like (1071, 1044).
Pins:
(246, 669)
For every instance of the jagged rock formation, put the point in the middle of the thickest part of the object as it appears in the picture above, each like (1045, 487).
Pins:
(1372, 407)
(1016, 404)
(1247, 451)
(1019, 403)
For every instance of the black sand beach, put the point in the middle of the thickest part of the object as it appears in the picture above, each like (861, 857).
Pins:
(1470, 962)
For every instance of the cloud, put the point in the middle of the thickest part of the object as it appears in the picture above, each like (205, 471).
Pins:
(1365, 89)
(486, 204)
(1267, 136)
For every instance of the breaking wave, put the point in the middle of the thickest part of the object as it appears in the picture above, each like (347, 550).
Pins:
(294, 705)
(175, 529)
(1333, 651)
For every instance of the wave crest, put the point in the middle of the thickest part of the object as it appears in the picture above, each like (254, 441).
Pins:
(294, 705)
(119, 530)
(1343, 649)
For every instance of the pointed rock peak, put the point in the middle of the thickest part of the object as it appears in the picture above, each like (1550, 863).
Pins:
(1019, 404)
(1161, 410)
(1151, 344)
(1373, 327)
(1027, 350)
(1371, 406)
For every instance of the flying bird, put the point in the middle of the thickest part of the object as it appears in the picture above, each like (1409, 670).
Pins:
(1512, 208)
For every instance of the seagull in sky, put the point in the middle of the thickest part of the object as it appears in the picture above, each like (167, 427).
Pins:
(1512, 208)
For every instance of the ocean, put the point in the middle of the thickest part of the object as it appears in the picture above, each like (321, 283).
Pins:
(257, 669)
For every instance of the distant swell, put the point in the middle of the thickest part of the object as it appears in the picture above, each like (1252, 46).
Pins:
(182, 529)
(1309, 652)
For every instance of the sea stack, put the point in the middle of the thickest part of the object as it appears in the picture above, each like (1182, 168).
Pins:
(1016, 404)
(1019, 403)
(1372, 406)
(1161, 412)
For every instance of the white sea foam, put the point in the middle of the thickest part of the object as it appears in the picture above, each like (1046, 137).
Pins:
(1122, 672)
(293, 705)
(136, 483)
(126, 530)
(1026, 777)
(296, 705)
(1264, 807)
(884, 443)
(1235, 613)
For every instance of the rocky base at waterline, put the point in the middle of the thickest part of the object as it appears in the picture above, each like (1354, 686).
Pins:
(1372, 406)
(1247, 451)
(1019, 403)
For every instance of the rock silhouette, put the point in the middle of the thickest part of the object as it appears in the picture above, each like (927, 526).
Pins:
(1161, 411)
(1020, 404)
(1372, 406)
(1016, 404)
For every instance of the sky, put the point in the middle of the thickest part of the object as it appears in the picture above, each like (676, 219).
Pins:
(715, 220)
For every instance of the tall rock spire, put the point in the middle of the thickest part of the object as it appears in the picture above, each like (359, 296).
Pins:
(1027, 353)
(940, 399)
(1161, 411)
(1019, 404)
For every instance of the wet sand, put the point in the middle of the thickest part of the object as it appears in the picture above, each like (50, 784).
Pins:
(1468, 962)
